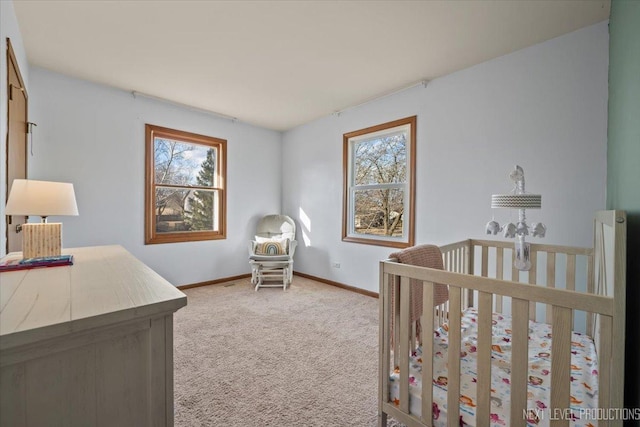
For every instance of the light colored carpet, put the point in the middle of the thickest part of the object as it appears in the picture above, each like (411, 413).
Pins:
(304, 357)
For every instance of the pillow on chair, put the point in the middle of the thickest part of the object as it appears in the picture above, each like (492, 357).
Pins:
(272, 247)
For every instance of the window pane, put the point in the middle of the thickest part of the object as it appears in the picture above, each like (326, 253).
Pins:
(202, 209)
(379, 212)
(185, 210)
(381, 160)
(182, 163)
(170, 210)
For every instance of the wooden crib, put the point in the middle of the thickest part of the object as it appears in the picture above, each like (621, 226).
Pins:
(569, 288)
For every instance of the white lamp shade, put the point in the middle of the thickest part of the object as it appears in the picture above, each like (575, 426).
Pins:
(43, 198)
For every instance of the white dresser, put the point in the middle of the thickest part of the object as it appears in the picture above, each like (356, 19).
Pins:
(89, 344)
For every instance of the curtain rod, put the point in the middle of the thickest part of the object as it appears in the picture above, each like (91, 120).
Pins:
(424, 83)
(135, 94)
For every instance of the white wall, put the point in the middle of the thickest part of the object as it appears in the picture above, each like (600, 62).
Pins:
(93, 136)
(544, 108)
(8, 28)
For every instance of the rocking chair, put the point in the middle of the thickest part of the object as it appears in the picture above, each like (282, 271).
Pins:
(271, 252)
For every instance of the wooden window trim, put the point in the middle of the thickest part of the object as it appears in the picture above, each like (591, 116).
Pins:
(12, 62)
(151, 236)
(411, 121)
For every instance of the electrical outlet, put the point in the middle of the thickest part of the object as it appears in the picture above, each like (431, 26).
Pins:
(335, 265)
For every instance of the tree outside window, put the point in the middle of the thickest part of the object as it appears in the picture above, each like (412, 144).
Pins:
(379, 181)
(185, 193)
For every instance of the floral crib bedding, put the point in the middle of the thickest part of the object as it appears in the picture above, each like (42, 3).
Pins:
(584, 375)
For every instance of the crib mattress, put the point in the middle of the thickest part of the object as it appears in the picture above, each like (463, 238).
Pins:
(584, 374)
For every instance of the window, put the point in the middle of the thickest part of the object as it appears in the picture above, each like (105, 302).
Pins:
(379, 184)
(185, 198)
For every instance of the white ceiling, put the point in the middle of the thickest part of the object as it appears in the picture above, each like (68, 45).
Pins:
(279, 64)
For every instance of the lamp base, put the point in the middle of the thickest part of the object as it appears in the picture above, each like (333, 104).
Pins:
(41, 239)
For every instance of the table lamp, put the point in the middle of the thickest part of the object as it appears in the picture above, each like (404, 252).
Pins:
(43, 198)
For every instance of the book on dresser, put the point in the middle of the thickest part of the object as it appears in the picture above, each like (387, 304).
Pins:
(12, 264)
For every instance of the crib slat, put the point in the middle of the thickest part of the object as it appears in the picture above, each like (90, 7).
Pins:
(396, 320)
(499, 275)
(468, 258)
(551, 281)
(444, 312)
(453, 387)
(590, 290)
(519, 360)
(460, 267)
(560, 361)
(464, 263)
(515, 273)
(454, 260)
(604, 355)
(405, 288)
(602, 288)
(427, 353)
(385, 369)
(484, 359)
(485, 261)
(413, 330)
(571, 272)
(571, 275)
(532, 281)
(456, 268)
